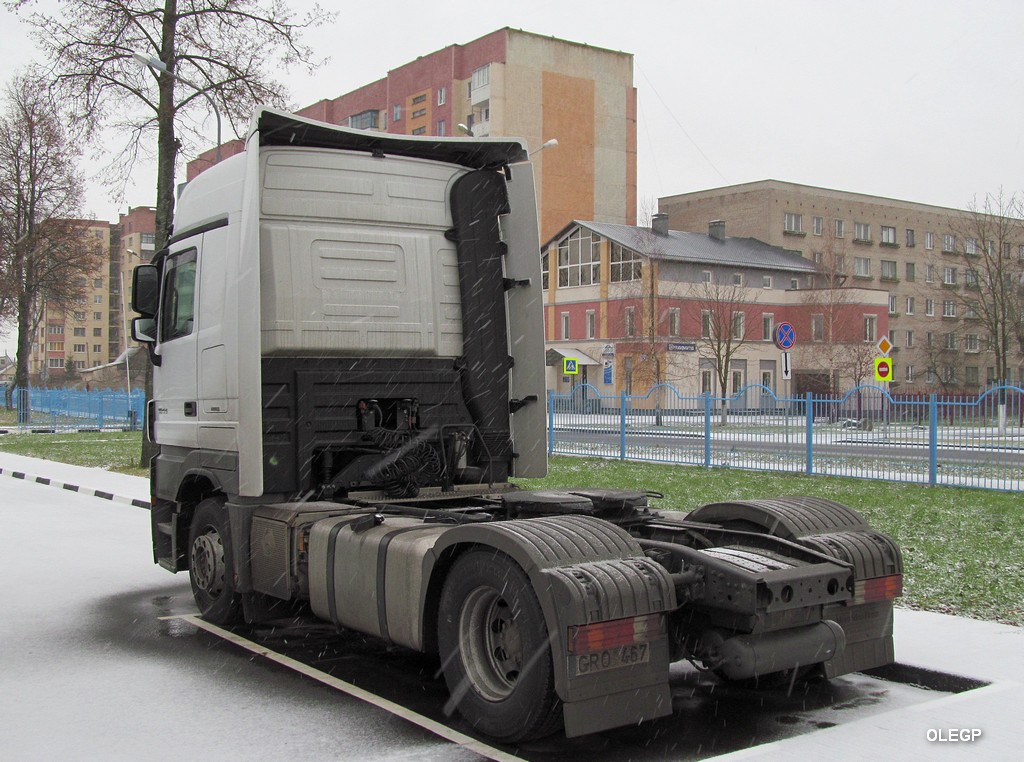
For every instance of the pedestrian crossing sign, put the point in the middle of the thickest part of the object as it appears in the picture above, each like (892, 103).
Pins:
(570, 366)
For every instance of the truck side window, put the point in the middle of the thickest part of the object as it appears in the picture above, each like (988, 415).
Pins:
(178, 301)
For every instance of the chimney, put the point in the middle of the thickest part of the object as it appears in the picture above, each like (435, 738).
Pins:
(716, 229)
(659, 223)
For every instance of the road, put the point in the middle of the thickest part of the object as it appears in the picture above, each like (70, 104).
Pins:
(93, 667)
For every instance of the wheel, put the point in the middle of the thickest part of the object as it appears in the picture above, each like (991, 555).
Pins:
(495, 651)
(210, 564)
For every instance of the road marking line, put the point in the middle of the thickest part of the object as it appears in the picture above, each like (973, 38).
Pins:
(398, 710)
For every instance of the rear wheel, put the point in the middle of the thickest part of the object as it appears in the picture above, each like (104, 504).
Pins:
(495, 651)
(211, 566)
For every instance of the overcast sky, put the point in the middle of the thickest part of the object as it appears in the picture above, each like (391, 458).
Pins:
(920, 100)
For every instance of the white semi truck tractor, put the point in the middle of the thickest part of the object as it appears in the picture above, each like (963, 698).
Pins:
(346, 329)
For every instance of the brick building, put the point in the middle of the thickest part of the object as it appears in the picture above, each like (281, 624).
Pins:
(91, 332)
(918, 254)
(637, 306)
(512, 83)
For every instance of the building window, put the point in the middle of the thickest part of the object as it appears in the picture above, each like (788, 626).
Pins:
(909, 373)
(96, 332)
(481, 77)
(888, 235)
(365, 120)
(418, 113)
(910, 305)
(422, 98)
(705, 276)
(910, 238)
(888, 270)
(97, 348)
(545, 271)
(420, 131)
(970, 279)
(97, 316)
(442, 95)
(971, 247)
(911, 272)
(929, 274)
(894, 338)
(767, 327)
(950, 340)
(737, 279)
(396, 112)
(929, 339)
(97, 299)
(870, 328)
(565, 325)
(442, 128)
(79, 348)
(766, 281)
(817, 225)
(971, 343)
(579, 259)
(79, 332)
(706, 325)
(706, 386)
(971, 310)
(794, 284)
(949, 243)
(949, 308)
(892, 304)
(591, 324)
(625, 266)
(737, 381)
(929, 240)
(55, 362)
(817, 327)
(673, 321)
(739, 324)
(630, 321)
(971, 375)
(929, 307)
(793, 223)
(910, 339)
(949, 276)
(861, 267)
(840, 228)
(57, 329)
(55, 346)
(97, 283)
(861, 231)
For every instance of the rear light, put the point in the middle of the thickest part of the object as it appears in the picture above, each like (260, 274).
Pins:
(877, 589)
(615, 633)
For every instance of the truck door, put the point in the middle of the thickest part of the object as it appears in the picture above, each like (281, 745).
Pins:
(174, 386)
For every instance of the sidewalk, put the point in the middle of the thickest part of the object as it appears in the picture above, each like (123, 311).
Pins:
(944, 728)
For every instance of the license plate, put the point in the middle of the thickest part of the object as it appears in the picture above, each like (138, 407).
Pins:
(610, 658)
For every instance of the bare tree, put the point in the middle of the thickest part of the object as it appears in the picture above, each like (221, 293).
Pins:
(45, 253)
(722, 311)
(227, 50)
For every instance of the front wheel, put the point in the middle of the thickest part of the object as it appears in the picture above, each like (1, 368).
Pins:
(211, 566)
(495, 651)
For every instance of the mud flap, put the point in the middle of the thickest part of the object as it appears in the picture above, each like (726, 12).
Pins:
(604, 603)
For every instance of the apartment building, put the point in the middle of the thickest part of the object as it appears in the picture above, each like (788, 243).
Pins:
(91, 332)
(638, 306)
(512, 83)
(919, 254)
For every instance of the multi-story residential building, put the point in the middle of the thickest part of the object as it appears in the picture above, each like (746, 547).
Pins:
(91, 332)
(512, 83)
(637, 306)
(917, 253)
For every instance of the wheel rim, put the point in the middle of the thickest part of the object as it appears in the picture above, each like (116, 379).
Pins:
(208, 562)
(492, 644)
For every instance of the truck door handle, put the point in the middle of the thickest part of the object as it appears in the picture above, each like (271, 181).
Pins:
(190, 409)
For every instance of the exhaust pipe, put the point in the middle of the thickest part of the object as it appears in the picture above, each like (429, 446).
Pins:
(742, 657)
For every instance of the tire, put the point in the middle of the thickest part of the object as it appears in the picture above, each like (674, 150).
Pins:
(495, 651)
(211, 564)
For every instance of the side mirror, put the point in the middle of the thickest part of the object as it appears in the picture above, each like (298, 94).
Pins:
(144, 330)
(145, 291)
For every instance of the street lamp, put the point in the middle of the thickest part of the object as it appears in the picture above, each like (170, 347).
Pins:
(465, 129)
(547, 144)
(159, 66)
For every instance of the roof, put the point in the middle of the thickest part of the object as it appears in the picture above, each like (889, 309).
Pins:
(696, 248)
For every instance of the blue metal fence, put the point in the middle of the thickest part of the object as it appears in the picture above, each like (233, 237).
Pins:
(867, 432)
(63, 409)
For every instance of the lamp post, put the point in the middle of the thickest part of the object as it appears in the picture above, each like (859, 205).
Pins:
(159, 66)
(547, 144)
